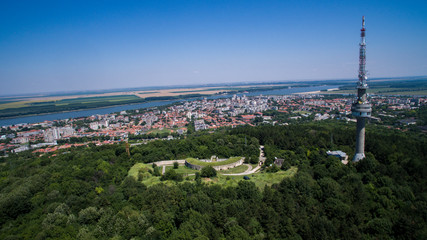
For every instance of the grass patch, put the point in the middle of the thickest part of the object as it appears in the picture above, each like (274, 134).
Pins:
(260, 179)
(254, 165)
(157, 131)
(182, 170)
(238, 169)
(204, 164)
(302, 112)
(134, 170)
(18, 104)
(150, 180)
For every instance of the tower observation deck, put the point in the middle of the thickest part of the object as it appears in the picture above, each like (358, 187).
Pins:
(361, 108)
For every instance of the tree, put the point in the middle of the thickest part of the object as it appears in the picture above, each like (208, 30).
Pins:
(156, 171)
(175, 165)
(208, 171)
(171, 175)
(198, 179)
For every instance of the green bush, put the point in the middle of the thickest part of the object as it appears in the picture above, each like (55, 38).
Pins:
(208, 171)
(171, 175)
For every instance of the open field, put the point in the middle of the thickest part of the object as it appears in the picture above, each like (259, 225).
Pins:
(73, 101)
(38, 107)
(414, 87)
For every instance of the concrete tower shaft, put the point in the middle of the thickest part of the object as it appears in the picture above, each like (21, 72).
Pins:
(361, 108)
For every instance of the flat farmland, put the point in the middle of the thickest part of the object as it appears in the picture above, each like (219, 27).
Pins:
(18, 106)
(30, 107)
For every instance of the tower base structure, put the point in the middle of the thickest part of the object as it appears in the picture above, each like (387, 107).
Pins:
(360, 139)
(358, 156)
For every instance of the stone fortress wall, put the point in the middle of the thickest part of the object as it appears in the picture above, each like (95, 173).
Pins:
(218, 168)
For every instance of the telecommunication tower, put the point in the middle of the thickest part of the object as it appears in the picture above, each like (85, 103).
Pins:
(361, 108)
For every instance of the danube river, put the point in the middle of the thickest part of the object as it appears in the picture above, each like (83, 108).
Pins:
(101, 111)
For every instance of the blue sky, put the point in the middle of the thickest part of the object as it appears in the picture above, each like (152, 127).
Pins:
(50, 46)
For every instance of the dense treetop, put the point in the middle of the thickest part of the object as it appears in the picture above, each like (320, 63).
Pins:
(86, 194)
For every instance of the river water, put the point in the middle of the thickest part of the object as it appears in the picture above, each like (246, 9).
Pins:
(101, 111)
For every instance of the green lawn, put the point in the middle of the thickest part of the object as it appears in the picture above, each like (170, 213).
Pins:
(238, 169)
(260, 179)
(135, 168)
(159, 131)
(200, 163)
(182, 170)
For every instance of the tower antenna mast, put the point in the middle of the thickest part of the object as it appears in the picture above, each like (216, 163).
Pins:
(361, 108)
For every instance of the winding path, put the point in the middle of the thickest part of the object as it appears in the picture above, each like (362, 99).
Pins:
(250, 170)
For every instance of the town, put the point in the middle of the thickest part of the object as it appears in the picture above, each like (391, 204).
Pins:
(176, 120)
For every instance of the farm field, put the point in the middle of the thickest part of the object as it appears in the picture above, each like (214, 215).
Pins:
(409, 88)
(383, 91)
(22, 108)
(65, 101)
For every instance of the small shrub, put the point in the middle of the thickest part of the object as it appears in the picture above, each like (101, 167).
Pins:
(273, 169)
(285, 166)
(156, 172)
(208, 172)
(171, 175)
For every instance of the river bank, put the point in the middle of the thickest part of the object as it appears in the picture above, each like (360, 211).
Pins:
(108, 110)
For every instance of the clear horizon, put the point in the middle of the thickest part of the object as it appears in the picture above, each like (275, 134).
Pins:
(51, 46)
(154, 87)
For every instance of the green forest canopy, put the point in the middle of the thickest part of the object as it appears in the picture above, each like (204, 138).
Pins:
(86, 194)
